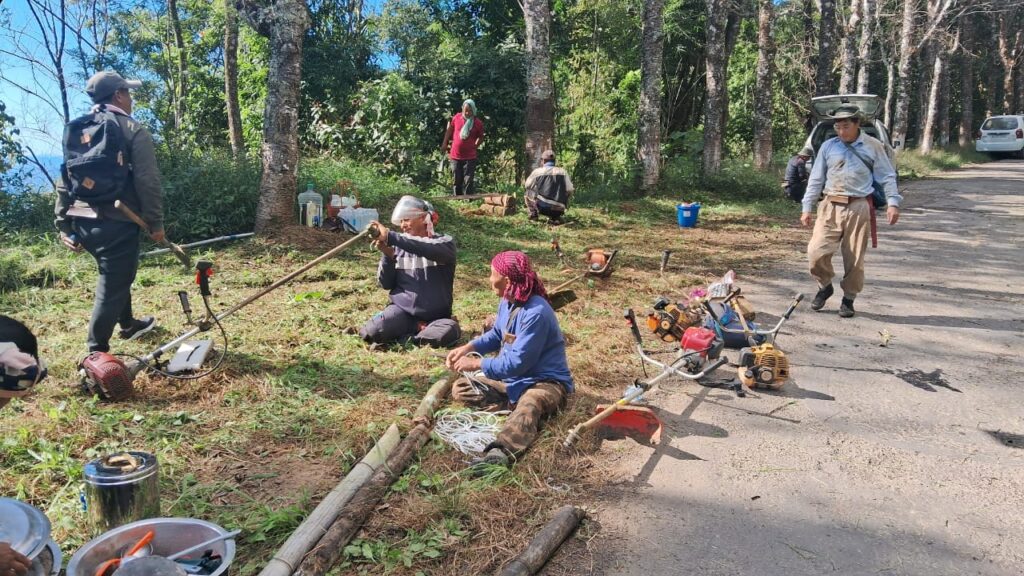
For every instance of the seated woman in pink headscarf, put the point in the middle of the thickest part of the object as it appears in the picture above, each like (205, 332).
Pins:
(530, 373)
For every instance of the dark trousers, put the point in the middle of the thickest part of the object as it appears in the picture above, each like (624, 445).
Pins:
(465, 182)
(115, 247)
(536, 208)
(395, 325)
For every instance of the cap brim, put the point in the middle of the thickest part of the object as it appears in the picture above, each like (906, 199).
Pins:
(132, 84)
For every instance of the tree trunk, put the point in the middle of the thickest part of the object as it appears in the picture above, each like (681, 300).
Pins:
(714, 54)
(848, 76)
(540, 88)
(284, 23)
(826, 48)
(899, 131)
(648, 148)
(1009, 52)
(966, 81)
(919, 113)
(932, 116)
(890, 91)
(231, 79)
(732, 35)
(942, 118)
(763, 91)
(181, 85)
(867, 31)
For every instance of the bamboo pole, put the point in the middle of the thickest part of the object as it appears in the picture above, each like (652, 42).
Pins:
(319, 521)
(330, 548)
(545, 543)
(328, 552)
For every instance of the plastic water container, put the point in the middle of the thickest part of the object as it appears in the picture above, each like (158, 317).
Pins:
(311, 207)
(686, 214)
(358, 218)
(334, 207)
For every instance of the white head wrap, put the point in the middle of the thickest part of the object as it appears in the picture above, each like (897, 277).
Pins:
(410, 208)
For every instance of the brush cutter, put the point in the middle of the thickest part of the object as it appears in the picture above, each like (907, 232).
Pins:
(598, 264)
(178, 252)
(111, 378)
(638, 422)
(762, 364)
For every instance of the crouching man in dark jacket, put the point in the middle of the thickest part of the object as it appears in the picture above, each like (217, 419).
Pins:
(548, 190)
(530, 374)
(417, 267)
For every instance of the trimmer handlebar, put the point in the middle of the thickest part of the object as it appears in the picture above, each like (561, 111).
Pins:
(630, 317)
(792, 307)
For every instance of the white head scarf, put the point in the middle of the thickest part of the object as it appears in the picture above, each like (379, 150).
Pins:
(411, 208)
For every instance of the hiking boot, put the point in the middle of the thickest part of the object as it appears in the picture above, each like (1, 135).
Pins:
(846, 308)
(139, 327)
(493, 457)
(819, 299)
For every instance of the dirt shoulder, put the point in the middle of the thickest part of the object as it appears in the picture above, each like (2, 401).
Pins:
(903, 459)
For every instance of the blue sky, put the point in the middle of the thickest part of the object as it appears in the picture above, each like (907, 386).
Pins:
(41, 126)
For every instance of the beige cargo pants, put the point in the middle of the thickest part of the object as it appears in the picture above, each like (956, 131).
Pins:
(843, 227)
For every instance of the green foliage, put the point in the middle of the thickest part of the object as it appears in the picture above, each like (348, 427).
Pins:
(431, 543)
(912, 164)
(207, 195)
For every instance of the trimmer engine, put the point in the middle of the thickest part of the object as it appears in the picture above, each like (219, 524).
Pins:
(107, 376)
(668, 321)
(763, 366)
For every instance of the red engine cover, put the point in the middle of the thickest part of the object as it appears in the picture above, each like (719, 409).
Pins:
(107, 376)
(699, 339)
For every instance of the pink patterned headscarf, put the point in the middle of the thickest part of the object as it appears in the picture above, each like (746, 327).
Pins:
(523, 282)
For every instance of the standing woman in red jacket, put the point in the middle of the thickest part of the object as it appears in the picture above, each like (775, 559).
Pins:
(465, 132)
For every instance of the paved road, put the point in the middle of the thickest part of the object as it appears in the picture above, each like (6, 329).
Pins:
(898, 460)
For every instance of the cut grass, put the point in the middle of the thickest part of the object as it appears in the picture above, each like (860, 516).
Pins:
(300, 399)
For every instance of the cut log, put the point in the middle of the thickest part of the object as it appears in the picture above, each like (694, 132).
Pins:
(545, 543)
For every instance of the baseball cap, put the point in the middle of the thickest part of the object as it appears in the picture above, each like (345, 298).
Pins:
(105, 83)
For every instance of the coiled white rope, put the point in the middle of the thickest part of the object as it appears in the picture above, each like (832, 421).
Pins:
(469, 432)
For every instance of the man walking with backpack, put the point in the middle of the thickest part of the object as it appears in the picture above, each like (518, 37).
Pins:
(847, 170)
(109, 156)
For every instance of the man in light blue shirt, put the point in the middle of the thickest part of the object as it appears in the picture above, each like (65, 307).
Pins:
(844, 174)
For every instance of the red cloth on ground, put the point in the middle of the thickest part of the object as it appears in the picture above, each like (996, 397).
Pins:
(523, 282)
(465, 149)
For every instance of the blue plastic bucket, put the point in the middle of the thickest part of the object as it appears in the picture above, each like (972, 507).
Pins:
(687, 214)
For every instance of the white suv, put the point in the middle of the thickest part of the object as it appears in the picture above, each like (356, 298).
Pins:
(1003, 134)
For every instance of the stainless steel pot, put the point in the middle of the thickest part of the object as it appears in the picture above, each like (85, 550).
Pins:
(170, 535)
(121, 488)
(27, 530)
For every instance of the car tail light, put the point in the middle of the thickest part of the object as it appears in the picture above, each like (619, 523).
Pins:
(977, 134)
(1019, 133)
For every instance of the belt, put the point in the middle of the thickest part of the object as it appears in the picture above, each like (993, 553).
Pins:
(871, 208)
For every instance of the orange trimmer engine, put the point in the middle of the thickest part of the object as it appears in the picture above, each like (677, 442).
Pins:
(668, 321)
(597, 261)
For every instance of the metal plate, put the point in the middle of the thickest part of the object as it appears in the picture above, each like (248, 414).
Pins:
(25, 527)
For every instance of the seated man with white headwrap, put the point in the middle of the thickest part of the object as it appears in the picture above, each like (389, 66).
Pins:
(417, 266)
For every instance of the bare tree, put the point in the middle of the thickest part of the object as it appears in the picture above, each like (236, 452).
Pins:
(540, 88)
(763, 94)
(848, 50)
(284, 23)
(966, 80)
(867, 32)
(648, 149)
(931, 119)
(714, 101)
(826, 48)
(231, 79)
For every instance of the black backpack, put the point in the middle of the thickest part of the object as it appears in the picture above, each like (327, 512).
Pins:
(96, 164)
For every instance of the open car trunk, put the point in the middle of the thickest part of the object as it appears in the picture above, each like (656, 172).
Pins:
(822, 107)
